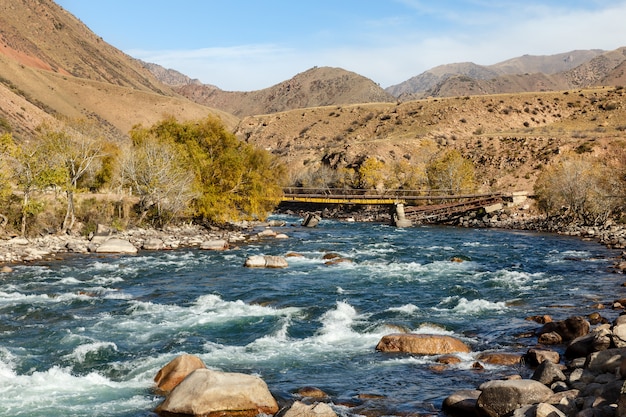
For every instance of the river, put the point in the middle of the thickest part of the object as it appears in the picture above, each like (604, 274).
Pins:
(85, 336)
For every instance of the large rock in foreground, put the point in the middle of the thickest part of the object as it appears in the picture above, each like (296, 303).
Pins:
(176, 371)
(498, 398)
(211, 393)
(421, 344)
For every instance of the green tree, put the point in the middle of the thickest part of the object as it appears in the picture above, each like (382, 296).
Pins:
(234, 179)
(451, 172)
(78, 148)
(31, 169)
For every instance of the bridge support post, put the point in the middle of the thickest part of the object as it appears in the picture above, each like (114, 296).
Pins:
(398, 217)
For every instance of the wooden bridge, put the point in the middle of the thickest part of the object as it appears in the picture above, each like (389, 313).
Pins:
(416, 205)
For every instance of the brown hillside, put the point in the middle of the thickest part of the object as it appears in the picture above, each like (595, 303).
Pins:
(432, 80)
(315, 87)
(592, 73)
(50, 60)
(508, 137)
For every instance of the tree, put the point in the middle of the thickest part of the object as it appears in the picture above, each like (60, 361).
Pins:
(31, 169)
(156, 171)
(371, 174)
(77, 147)
(451, 172)
(234, 179)
(581, 187)
(408, 176)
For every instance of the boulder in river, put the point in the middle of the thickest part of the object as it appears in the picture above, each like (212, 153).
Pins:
(115, 245)
(568, 329)
(266, 261)
(300, 409)
(207, 392)
(176, 370)
(217, 244)
(498, 398)
(421, 344)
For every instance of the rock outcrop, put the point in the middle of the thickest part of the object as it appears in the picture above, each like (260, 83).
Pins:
(421, 344)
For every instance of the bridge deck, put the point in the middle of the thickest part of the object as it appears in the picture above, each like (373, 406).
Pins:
(420, 205)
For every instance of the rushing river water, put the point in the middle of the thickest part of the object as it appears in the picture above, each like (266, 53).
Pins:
(85, 336)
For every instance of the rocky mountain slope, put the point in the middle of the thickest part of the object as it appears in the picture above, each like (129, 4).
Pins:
(432, 82)
(518, 75)
(509, 137)
(319, 86)
(52, 66)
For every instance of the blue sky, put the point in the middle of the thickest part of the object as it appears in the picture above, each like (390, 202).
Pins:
(243, 45)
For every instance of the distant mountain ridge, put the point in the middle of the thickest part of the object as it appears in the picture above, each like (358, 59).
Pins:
(335, 86)
(433, 81)
(318, 86)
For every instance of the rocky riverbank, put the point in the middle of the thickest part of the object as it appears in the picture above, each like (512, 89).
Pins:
(49, 247)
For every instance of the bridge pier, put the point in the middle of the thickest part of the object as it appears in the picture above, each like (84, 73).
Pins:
(398, 218)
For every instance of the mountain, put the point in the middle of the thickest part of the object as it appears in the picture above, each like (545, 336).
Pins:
(603, 69)
(52, 67)
(318, 86)
(432, 82)
(429, 79)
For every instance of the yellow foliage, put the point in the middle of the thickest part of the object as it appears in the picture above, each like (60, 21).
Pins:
(452, 173)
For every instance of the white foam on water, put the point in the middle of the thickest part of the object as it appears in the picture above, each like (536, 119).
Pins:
(478, 245)
(405, 309)
(145, 319)
(471, 307)
(514, 279)
(335, 338)
(70, 280)
(80, 353)
(17, 298)
(429, 328)
(57, 392)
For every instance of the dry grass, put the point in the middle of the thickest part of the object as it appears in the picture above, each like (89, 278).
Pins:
(508, 136)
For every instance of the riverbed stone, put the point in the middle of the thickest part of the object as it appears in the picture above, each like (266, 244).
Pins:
(299, 409)
(461, 403)
(311, 392)
(421, 344)
(535, 356)
(598, 339)
(605, 361)
(206, 392)
(547, 373)
(498, 398)
(176, 371)
(116, 245)
(500, 358)
(266, 261)
(153, 244)
(568, 329)
(216, 244)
